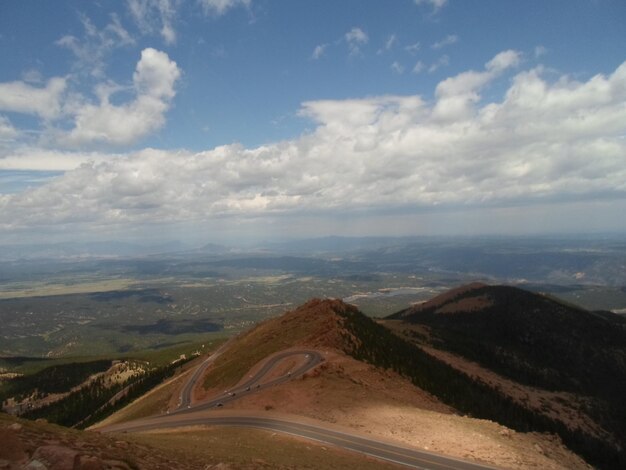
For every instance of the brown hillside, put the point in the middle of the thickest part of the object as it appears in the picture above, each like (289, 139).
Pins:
(353, 394)
(445, 303)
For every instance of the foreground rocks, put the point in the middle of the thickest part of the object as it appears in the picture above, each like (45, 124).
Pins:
(40, 446)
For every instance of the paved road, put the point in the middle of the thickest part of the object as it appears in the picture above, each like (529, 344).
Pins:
(382, 450)
(189, 414)
(254, 384)
(185, 394)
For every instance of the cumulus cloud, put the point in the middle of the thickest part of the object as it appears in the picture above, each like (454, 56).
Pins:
(153, 83)
(155, 15)
(45, 102)
(220, 7)
(27, 158)
(457, 95)
(542, 141)
(356, 38)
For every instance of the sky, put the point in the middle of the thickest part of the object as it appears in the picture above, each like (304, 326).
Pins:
(230, 120)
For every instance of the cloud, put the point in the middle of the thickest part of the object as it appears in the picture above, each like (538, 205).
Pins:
(413, 48)
(356, 38)
(540, 51)
(443, 61)
(389, 43)
(457, 95)
(319, 51)
(7, 131)
(436, 4)
(153, 84)
(155, 15)
(447, 41)
(540, 142)
(397, 68)
(37, 159)
(45, 102)
(91, 50)
(418, 67)
(220, 7)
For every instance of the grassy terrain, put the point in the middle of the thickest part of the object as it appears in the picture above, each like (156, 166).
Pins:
(262, 449)
(71, 286)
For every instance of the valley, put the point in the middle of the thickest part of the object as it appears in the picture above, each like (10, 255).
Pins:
(170, 342)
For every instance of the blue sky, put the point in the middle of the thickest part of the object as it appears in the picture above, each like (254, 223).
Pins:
(254, 118)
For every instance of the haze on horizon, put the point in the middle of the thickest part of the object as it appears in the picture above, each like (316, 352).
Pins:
(226, 120)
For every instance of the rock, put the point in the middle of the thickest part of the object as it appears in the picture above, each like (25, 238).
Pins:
(538, 449)
(11, 447)
(5, 464)
(121, 444)
(15, 427)
(116, 465)
(57, 457)
(89, 462)
(41, 421)
(35, 465)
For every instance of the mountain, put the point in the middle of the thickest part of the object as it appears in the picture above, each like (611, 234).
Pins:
(370, 381)
(565, 365)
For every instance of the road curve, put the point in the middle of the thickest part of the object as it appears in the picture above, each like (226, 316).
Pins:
(189, 414)
(253, 384)
(372, 447)
(185, 394)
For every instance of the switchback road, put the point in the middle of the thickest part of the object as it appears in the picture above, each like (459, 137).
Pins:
(189, 414)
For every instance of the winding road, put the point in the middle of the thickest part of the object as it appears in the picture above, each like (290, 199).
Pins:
(190, 414)
(252, 385)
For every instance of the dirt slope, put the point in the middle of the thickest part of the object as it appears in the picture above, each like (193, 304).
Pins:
(370, 400)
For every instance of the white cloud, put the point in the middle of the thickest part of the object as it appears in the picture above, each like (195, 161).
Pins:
(319, 51)
(413, 48)
(457, 95)
(155, 15)
(92, 49)
(540, 51)
(7, 131)
(443, 61)
(32, 76)
(389, 43)
(397, 68)
(436, 4)
(418, 67)
(540, 142)
(153, 83)
(447, 41)
(356, 38)
(220, 7)
(45, 102)
(38, 159)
